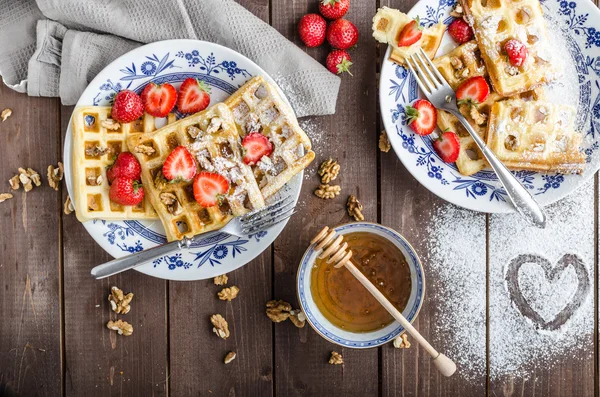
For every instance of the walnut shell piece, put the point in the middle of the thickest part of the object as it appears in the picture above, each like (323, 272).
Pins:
(336, 359)
(122, 327)
(228, 294)
(355, 208)
(220, 326)
(220, 280)
(328, 170)
(328, 192)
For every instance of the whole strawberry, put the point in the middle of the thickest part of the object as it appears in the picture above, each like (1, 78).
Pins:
(125, 166)
(334, 9)
(342, 34)
(127, 107)
(338, 62)
(312, 28)
(460, 31)
(126, 191)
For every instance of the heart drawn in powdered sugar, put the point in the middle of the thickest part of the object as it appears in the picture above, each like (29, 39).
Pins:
(552, 274)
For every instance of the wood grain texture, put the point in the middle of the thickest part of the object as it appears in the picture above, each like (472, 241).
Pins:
(30, 357)
(98, 361)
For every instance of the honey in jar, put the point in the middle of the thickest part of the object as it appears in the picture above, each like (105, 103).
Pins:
(344, 301)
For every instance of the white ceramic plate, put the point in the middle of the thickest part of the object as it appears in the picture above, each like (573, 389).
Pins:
(173, 61)
(575, 28)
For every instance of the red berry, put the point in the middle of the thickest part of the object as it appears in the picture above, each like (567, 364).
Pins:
(516, 51)
(342, 34)
(311, 29)
(411, 33)
(209, 188)
(460, 31)
(127, 107)
(447, 146)
(422, 117)
(159, 99)
(125, 166)
(334, 9)
(473, 91)
(256, 146)
(126, 191)
(338, 62)
(179, 165)
(194, 96)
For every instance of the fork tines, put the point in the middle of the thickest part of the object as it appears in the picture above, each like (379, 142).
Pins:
(268, 216)
(428, 77)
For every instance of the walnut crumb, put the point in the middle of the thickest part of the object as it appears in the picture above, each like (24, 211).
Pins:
(456, 63)
(228, 294)
(215, 124)
(298, 318)
(221, 280)
(336, 359)
(328, 170)
(457, 12)
(477, 117)
(193, 131)
(68, 206)
(220, 326)
(110, 124)
(511, 70)
(384, 142)
(170, 201)
(355, 208)
(15, 182)
(6, 113)
(95, 180)
(122, 327)
(229, 357)
(278, 310)
(401, 342)
(144, 149)
(55, 175)
(327, 192)
(160, 182)
(5, 196)
(119, 302)
(96, 151)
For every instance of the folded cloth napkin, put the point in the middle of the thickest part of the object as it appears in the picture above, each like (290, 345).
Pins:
(56, 47)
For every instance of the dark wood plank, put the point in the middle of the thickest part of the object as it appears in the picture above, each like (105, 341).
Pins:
(30, 360)
(196, 352)
(301, 355)
(98, 361)
(422, 218)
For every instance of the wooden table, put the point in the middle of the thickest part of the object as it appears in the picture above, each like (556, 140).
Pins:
(53, 339)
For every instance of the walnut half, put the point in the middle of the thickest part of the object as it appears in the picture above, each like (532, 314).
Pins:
(384, 142)
(220, 326)
(122, 327)
(278, 310)
(229, 357)
(228, 294)
(355, 208)
(119, 302)
(221, 280)
(336, 359)
(328, 170)
(5, 196)
(328, 192)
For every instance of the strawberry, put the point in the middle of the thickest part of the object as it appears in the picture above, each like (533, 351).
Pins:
(256, 146)
(159, 99)
(179, 165)
(516, 51)
(194, 96)
(473, 91)
(127, 107)
(411, 33)
(209, 188)
(126, 191)
(460, 31)
(422, 117)
(342, 34)
(334, 9)
(125, 166)
(311, 29)
(338, 62)
(447, 146)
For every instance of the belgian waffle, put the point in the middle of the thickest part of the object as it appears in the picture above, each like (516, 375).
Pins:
(95, 147)
(387, 25)
(497, 21)
(258, 107)
(211, 136)
(537, 136)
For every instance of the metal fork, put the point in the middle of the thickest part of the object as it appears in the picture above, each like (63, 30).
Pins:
(442, 96)
(253, 222)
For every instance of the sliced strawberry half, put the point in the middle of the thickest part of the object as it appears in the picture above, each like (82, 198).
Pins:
(159, 99)
(473, 91)
(179, 165)
(209, 188)
(256, 146)
(194, 96)
(447, 146)
(411, 33)
(422, 117)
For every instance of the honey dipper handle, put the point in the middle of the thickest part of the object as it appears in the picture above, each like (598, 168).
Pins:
(443, 363)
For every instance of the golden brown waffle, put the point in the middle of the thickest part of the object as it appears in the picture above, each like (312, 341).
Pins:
(460, 64)
(497, 21)
(212, 138)
(94, 148)
(258, 107)
(387, 25)
(535, 135)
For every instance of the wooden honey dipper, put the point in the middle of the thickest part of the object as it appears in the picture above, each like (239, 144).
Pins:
(335, 249)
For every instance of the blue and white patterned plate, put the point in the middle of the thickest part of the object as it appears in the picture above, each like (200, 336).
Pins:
(575, 27)
(173, 61)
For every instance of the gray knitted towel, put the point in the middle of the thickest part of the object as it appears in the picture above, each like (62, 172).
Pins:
(56, 47)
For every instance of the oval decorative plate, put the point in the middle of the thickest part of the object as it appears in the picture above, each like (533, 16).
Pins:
(575, 27)
(173, 61)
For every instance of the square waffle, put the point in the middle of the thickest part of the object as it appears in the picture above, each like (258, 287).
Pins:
(90, 131)
(536, 135)
(212, 138)
(258, 107)
(497, 21)
(387, 26)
